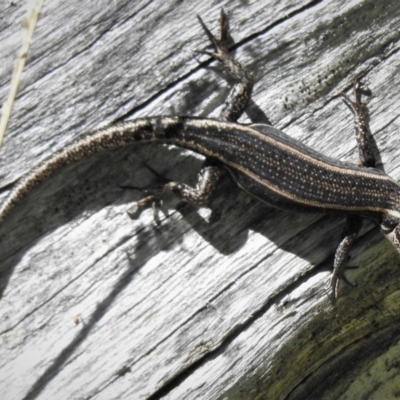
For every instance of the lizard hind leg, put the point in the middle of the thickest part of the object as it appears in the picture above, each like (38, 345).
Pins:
(349, 235)
(366, 159)
(236, 103)
(241, 92)
(207, 180)
(363, 133)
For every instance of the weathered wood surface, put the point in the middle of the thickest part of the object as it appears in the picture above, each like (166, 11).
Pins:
(231, 303)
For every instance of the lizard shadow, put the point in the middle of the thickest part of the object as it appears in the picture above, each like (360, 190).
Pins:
(68, 195)
(304, 234)
(73, 196)
(226, 229)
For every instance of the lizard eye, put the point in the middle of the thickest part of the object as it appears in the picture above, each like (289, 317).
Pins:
(387, 229)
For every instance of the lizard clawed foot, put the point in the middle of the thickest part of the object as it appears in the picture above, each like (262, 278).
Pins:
(241, 92)
(154, 198)
(136, 208)
(356, 105)
(220, 44)
(337, 276)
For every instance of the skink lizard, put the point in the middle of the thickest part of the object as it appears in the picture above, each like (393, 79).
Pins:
(263, 161)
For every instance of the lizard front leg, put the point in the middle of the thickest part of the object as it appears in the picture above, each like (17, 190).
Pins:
(366, 159)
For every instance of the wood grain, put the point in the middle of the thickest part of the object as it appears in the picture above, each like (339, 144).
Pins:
(228, 302)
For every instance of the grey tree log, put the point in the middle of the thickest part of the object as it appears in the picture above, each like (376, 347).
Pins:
(230, 302)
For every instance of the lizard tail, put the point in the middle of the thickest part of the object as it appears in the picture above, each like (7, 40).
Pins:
(145, 130)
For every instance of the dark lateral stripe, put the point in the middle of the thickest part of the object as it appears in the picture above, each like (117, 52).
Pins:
(286, 194)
